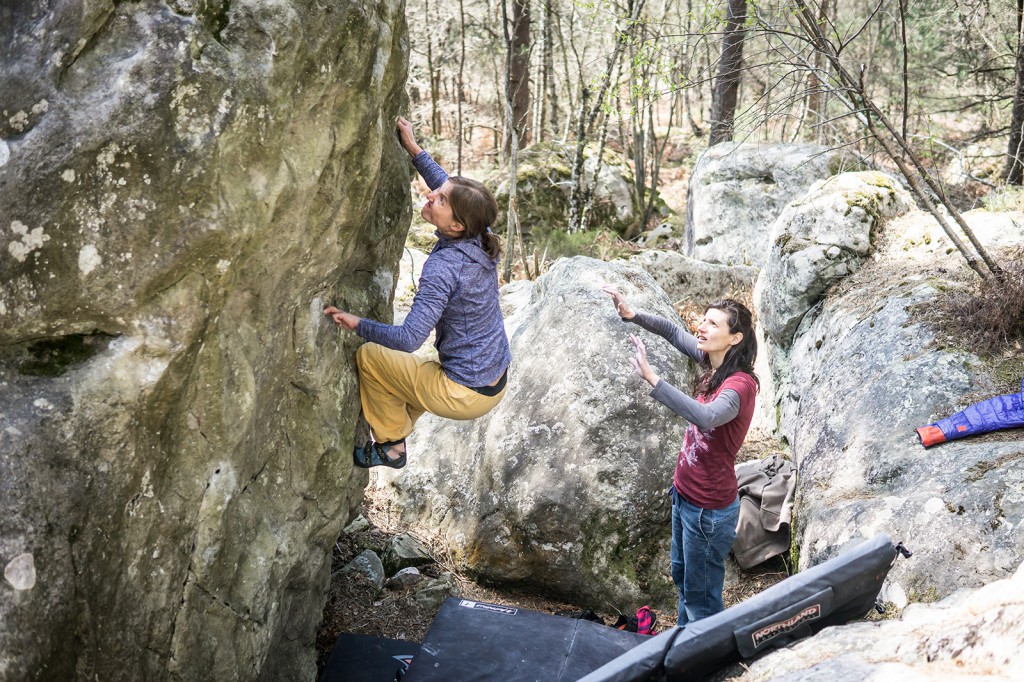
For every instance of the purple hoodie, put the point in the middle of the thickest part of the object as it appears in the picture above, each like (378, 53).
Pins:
(457, 297)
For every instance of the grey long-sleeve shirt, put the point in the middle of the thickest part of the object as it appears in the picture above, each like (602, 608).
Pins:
(705, 416)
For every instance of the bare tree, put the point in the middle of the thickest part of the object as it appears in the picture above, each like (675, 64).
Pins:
(513, 233)
(434, 74)
(460, 95)
(815, 93)
(1014, 172)
(519, 73)
(723, 104)
(852, 92)
(586, 115)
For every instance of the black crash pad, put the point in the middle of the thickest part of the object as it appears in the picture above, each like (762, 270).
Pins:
(471, 640)
(364, 658)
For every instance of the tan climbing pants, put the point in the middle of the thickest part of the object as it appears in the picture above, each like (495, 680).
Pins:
(395, 388)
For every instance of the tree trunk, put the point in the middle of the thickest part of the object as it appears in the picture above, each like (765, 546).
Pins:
(434, 75)
(519, 72)
(513, 233)
(1015, 149)
(815, 91)
(727, 86)
(460, 96)
(551, 104)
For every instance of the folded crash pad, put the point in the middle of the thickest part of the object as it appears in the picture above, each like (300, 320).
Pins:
(831, 593)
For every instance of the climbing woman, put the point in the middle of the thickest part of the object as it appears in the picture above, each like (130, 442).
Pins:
(457, 298)
(705, 505)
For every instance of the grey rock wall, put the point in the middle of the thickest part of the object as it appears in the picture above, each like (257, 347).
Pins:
(865, 368)
(737, 189)
(183, 187)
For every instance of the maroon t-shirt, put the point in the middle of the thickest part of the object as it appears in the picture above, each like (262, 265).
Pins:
(705, 475)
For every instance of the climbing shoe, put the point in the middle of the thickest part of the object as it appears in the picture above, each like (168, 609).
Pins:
(376, 455)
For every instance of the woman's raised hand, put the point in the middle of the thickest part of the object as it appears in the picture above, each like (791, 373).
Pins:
(621, 307)
(341, 318)
(406, 137)
(639, 361)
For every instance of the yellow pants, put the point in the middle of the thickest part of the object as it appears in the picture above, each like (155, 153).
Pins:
(395, 388)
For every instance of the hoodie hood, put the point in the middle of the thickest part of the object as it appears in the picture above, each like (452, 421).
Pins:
(471, 246)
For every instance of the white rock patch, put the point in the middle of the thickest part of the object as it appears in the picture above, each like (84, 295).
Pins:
(29, 240)
(89, 259)
(21, 572)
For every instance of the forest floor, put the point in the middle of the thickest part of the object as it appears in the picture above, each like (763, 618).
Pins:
(355, 606)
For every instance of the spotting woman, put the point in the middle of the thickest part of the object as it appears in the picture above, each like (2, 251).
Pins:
(705, 504)
(457, 298)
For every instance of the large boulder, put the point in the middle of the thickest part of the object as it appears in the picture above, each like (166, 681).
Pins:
(544, 184)
(864, 370)
(183, 187)
(688, 280)
(819, 239)
(971, 634)
(737, 189)
(562, 487)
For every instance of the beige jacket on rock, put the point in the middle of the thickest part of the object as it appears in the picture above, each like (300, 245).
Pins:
(766, 490)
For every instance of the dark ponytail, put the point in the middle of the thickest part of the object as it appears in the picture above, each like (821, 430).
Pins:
(739, 358)
(474, 207)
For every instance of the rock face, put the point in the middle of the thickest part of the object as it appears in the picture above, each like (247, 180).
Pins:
(819, 239)
(738, 189)
(183, 187)
(863, 371)
(974, 634)
(562, 487)
(691, 280)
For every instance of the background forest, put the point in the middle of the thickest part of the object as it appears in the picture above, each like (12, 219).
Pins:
(931, 89)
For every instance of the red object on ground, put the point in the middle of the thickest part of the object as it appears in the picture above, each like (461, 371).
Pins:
(931, 435)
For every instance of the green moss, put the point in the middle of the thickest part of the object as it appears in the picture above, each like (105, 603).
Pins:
(922, 593)
(54, 357)
(982, 467)
(844, 163)
(999, 515)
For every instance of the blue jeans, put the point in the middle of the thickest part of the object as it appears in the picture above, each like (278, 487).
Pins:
(701, 539)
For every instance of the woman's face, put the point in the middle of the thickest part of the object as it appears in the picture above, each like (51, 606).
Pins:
(713, 335)
(438, 211)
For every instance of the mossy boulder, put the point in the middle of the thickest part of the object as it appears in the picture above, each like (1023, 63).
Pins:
(544, 184)
(865, 366)
(819, 239)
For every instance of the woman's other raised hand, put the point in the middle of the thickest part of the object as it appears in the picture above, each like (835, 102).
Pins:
(621, 307)
(639, 361)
